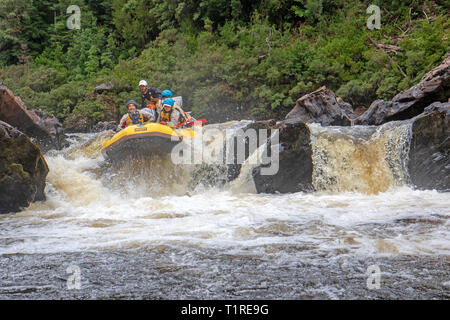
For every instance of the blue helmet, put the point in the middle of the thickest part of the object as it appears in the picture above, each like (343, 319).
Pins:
(169, 101)
(167, 93)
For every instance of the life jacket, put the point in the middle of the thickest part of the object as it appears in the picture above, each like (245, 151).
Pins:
(150, 100)
(167, 116)
(152, 104)
(129, 121)
(157, 107)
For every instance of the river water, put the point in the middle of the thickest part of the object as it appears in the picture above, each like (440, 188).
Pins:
(141, 232)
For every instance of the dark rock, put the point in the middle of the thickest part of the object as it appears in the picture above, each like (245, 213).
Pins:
(377, 113)
(80, 125)
(428, 165)
(295, 160)
(429, 156)
(323, 107)
(104, 126)
(433, 87)
(23, 170)
(52, 125)
(359, 111)
(104, 87)
(47, 130)
(217, 175)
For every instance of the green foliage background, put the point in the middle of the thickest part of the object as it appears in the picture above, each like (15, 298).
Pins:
(229, 59)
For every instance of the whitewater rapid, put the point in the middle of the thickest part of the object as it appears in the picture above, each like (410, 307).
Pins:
(89, 209)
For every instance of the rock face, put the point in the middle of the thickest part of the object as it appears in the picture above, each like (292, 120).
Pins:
(46, 129)
(429, 156)
(219, 174)
(323, 107)
(295, 159)
(434, 87)
(104, 126)
(53, 126)
(428, 165)
(23, 170)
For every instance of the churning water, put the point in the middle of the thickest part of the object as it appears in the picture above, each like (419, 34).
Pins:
(145, 231)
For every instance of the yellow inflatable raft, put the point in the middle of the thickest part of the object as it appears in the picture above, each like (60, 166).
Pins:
(144, 140)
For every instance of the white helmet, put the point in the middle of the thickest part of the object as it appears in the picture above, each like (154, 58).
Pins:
(143, 83)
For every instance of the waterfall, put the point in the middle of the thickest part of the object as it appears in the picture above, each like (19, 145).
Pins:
(366, 159)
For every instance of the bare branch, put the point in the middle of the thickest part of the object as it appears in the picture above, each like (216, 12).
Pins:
(386, 47)
(381, 47)
(426, 16)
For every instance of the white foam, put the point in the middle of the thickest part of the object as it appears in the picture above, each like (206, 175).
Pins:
(82, 213)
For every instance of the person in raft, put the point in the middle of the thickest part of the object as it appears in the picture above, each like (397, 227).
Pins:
(134, 116)
(150, 98)
(164, 95)
(172, 115)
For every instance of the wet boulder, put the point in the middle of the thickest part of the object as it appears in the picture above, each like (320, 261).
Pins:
(47, 130)
(428, 163)
(53, 126)
(224, 171)
(433, 87)
(104, 126)
(295, 159)
(23, 170)
(322, 106)
(429, 155)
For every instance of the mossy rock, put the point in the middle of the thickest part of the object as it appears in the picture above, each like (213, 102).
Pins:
(23, 170)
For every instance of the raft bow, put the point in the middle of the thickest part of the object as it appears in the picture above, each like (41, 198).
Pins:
(144, 141)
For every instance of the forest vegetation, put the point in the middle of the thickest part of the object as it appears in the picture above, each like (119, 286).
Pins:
(229, 59)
